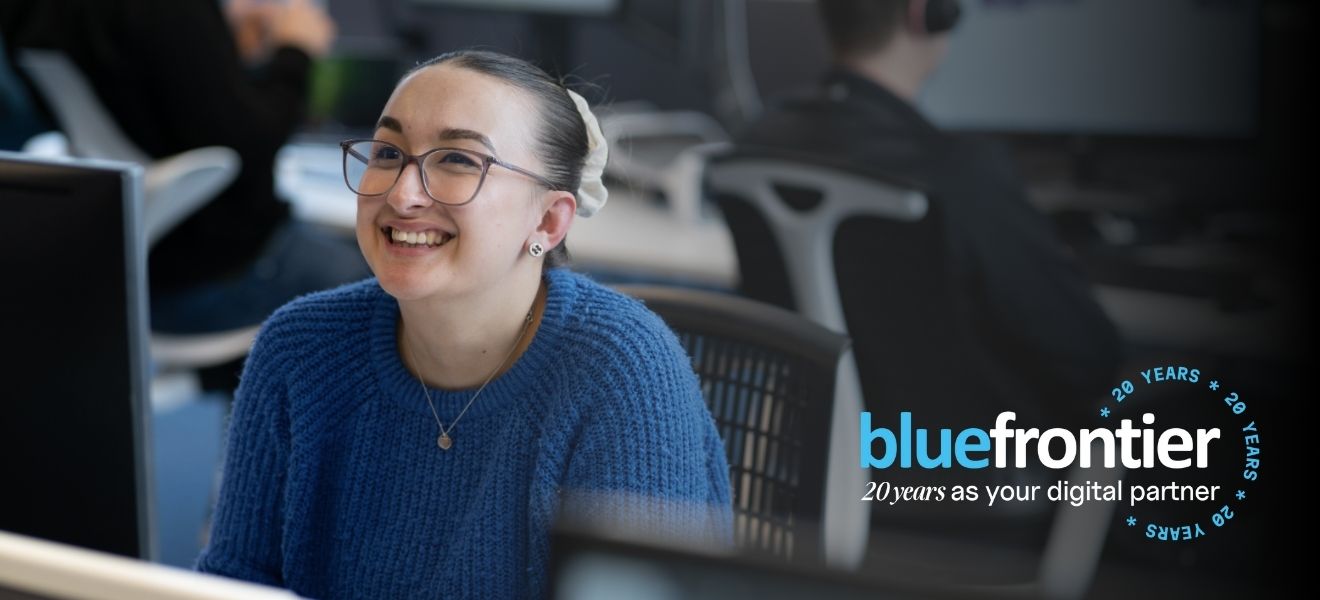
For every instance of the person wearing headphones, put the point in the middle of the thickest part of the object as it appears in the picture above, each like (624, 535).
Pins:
(997, 315)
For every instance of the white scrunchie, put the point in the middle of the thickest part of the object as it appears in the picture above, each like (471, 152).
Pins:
(591, 193)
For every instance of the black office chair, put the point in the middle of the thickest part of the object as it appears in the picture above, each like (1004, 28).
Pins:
(817, 238)
(768, 376)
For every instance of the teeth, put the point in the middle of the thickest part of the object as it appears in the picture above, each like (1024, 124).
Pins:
(414, 238)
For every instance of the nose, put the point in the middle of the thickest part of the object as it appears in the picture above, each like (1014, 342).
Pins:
(409, 194)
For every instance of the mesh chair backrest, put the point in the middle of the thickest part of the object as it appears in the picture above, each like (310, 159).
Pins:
(768, 377)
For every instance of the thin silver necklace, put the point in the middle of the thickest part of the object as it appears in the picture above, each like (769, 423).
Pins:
(445, 441)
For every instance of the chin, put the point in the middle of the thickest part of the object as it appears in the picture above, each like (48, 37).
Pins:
(407, 286)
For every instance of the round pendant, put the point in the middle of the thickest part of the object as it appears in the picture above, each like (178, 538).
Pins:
(445, 442)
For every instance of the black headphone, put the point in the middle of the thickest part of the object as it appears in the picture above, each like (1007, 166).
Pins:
(933, 16)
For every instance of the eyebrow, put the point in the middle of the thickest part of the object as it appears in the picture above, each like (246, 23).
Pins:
(448, 133)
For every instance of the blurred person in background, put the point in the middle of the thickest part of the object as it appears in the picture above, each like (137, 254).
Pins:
(1004, 320)
(183, 74)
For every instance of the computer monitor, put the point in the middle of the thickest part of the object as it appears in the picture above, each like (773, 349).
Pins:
(33, 569)
(1181, 68)
(596, 565)
(349, 89)
(73, 436)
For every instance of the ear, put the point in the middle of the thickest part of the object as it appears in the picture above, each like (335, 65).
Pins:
(557, 214)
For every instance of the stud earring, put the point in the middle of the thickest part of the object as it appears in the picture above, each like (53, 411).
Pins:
(536, 249)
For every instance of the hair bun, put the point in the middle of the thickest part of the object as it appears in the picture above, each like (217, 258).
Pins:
(591, 192)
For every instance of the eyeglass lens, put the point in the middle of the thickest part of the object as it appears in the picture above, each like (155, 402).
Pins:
(451, 176)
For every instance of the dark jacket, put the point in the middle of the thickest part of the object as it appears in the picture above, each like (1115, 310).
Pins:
(977, 309)
(170, 74)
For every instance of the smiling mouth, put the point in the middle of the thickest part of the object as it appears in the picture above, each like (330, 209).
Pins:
(416, 239)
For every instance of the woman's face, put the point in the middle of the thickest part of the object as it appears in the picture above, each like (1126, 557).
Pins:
(474, 246)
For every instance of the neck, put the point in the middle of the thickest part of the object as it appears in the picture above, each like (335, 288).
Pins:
(459, 343)
(902, 67)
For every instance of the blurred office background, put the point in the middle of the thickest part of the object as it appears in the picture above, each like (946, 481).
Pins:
(1160, 138)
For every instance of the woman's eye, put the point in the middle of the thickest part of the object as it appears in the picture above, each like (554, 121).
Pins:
(386, 153)
(457, 158)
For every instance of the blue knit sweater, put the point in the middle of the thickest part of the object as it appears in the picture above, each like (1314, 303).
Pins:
(334, 487)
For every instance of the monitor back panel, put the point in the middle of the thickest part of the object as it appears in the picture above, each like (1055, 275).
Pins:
(72, 426)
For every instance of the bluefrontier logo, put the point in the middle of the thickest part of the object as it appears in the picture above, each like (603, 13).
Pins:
(1133, 447)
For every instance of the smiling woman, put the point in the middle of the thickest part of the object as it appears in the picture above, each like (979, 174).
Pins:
(417, 434)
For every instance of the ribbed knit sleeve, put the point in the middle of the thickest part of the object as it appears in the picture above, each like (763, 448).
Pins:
(245, 540)
(647, 460)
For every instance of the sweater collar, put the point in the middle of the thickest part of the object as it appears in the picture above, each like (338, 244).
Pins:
(399, 385)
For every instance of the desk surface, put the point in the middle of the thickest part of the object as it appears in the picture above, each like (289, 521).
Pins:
(634, 234)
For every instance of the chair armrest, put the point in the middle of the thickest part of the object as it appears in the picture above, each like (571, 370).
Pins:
(682, 180)
(644, 144)
(177, 186)
(194, 351)
(662, 124)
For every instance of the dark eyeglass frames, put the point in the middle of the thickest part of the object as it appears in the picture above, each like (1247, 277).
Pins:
(451, 176)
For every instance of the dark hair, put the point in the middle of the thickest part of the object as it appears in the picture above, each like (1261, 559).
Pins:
(861, 26)
(562, 139)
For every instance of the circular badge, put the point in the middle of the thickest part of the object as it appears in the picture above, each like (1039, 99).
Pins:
(1202, 509)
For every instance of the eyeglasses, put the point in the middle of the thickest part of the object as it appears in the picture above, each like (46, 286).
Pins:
(451, 176)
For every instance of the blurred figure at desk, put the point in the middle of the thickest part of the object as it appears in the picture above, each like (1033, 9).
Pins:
(183, 74)
(989, 314)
